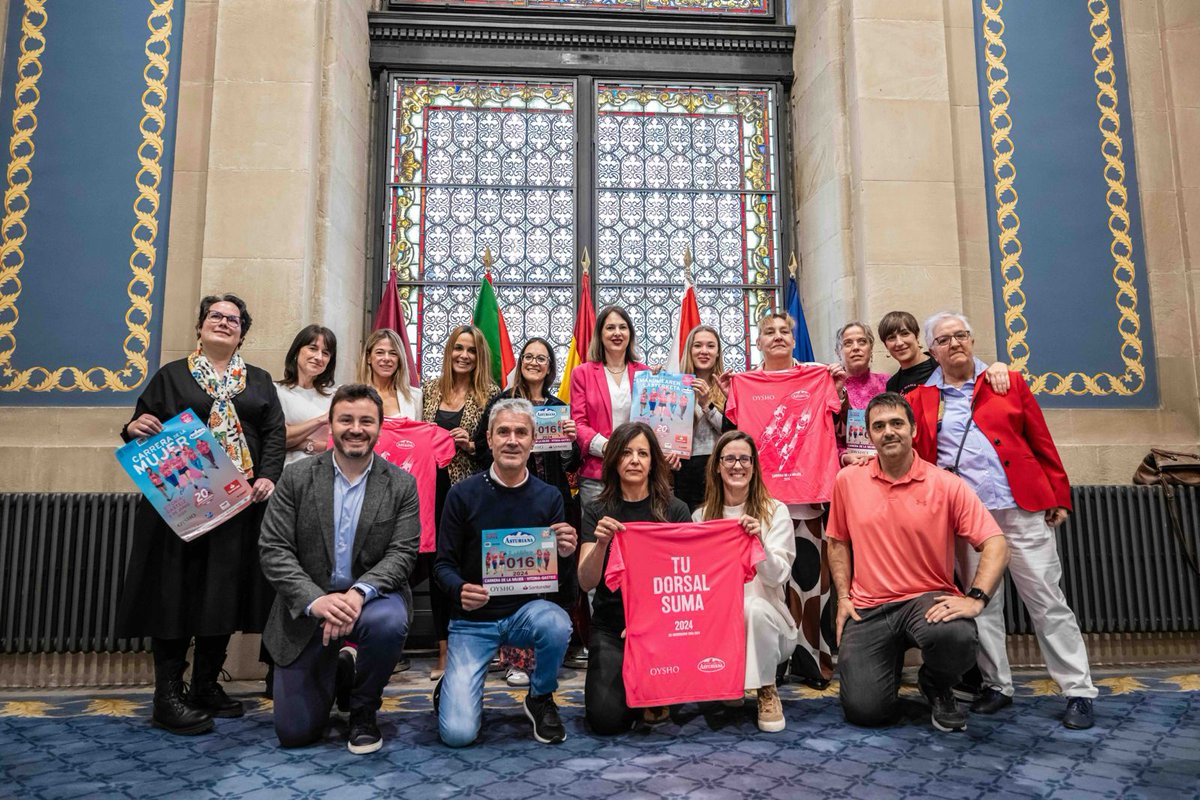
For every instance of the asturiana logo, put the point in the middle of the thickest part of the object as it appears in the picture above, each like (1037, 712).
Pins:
(545, 414)
(711, 664)
(519, 539)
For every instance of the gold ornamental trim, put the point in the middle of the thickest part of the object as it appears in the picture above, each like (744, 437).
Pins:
(1004, 171)
(145, 208)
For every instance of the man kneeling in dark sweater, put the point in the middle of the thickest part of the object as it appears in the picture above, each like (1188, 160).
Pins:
(506, 496)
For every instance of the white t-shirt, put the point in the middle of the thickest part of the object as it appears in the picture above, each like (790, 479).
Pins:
(300, 405)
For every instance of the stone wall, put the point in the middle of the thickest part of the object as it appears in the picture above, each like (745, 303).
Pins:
(891, 206)
(271, 191)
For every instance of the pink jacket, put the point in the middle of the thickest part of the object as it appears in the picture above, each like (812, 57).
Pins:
(591, 408)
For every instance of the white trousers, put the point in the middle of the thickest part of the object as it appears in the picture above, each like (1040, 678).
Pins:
(1036, 573)
(770, 640)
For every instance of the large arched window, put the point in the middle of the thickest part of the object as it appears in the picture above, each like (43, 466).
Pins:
(636, 166)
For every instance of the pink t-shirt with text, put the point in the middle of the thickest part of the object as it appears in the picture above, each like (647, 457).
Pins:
(789, 414)
(418, 448)
(684, 621)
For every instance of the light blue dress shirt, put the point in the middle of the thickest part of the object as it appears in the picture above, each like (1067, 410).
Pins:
(979, 465)
(347, 507)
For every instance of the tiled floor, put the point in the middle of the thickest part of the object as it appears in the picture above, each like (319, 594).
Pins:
(1146, 743)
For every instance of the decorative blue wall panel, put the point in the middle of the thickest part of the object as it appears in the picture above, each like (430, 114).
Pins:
(87, 102)
(1072, 304)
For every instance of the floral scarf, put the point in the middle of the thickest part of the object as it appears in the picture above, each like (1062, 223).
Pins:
(223, 419)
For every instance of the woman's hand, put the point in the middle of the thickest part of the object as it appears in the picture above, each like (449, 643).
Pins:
(462, 440)
(261, 490)
(752, 526)
(703, 393)
(725, 381)
(605, 529)
(673, 460)
(838, 373)
(145, 425)
(569, 429)
(854, 459)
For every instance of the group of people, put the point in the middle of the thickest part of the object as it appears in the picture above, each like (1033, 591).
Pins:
(388, 484)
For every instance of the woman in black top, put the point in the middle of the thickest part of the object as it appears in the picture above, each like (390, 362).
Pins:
(212, 586)
(637, 488)
(536, 373)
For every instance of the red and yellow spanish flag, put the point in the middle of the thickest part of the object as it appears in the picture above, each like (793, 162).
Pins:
(581, 338)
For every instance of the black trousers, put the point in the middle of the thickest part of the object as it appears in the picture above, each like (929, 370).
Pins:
(604, 690)
(871, 656)
(439, 601)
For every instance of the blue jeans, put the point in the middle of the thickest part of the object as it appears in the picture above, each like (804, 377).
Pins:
(539, 624)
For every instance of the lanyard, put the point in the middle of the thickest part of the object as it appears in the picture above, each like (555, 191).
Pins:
(967, 430)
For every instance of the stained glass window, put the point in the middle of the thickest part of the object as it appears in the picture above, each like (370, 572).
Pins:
(750, 8)
(473, 166)
(687, 167)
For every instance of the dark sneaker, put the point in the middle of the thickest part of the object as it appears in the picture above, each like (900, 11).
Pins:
(364, 733)
(990, 701)
(343, 680)
(1079, 714)
(946, 715)
(403, 665)
(547, 727)
(576, 659)
(211, 699)
(437, 697)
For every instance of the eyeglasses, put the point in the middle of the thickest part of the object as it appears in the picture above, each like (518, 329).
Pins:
(216, 316)
(530, 358)
(740, 461)
(958, 336)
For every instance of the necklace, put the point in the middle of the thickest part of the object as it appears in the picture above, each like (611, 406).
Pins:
(612, 371)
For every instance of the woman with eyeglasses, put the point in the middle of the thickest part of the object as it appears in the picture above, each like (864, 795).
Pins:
(211, 587)
(703, 358)
(637, 488)
(306, 389)
(735, 490)
(537, 371)
(455, 401)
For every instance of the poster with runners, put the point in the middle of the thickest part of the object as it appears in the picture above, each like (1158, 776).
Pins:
(667, 403)
(186, 476)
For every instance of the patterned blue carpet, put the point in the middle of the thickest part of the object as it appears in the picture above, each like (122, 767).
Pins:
(1146, 744)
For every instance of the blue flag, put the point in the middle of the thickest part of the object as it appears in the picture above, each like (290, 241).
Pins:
(803, 350)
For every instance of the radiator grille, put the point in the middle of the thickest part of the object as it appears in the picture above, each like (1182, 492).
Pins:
(62, 562)
(1123, 569)
(63, 557)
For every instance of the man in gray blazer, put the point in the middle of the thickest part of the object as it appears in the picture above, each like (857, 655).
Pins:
(338, 542)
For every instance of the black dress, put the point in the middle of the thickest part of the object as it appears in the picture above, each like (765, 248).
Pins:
(212, 585)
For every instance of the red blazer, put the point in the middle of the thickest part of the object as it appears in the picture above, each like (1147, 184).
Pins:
(1016, 428)
(591, 408)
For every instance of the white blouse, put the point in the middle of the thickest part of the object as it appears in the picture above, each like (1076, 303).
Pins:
(301, 405)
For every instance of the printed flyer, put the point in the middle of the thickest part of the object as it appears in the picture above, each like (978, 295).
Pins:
(520, 561)
(548, 434)
(186, 476)
(667, 404)
(857, 440)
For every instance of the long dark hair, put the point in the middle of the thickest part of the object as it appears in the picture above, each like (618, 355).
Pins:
(759, 503)
(659, 477)
(520, 387)
(596, 348)
(306, 336)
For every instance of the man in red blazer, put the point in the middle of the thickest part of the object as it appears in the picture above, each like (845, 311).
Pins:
(1000, 445)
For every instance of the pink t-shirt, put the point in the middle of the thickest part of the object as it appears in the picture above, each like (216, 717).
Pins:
(684, 622)
(418, 448)
(790, 416)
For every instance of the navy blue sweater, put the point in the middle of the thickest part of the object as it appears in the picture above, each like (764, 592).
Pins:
(477, 504)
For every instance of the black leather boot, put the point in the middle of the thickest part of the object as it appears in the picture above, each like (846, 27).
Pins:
(171, 712)
(207, 693)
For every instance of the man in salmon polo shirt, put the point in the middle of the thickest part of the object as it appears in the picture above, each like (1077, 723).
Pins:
(893, 524)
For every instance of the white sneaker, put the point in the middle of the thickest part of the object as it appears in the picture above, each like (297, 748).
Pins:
(516, 677)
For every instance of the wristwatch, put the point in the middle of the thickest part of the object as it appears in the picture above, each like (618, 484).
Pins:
(309, 447)
(979, 594)
(363, 592)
